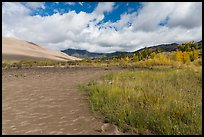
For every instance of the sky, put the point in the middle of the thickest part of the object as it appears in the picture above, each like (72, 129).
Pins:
(102, 26)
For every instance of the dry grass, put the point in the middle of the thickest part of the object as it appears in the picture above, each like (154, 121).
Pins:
(163, 101)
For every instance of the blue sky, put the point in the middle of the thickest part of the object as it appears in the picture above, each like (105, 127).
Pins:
(88, 7)
(102, 26)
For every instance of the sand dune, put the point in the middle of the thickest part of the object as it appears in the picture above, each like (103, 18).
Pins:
(14, 49)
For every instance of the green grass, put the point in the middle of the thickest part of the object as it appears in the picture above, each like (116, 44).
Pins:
(161, 101)
(34, 63)
(81, 87)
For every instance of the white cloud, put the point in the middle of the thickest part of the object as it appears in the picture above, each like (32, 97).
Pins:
(70, 3)
(81, 3)
(14, 9)
(70, 30)
(183, 14)
(186, 15)
(35, 5)
(104, 7)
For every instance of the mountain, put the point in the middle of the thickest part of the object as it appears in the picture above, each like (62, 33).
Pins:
(82, 53)
(15, 49)
(163, 47)
(86, 54)
(168, 47)
(200, 43)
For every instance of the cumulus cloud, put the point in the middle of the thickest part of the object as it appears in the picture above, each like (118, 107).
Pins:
(180, 14)
(104, 7)
(80, 30)
(187, 16)
(35, 5)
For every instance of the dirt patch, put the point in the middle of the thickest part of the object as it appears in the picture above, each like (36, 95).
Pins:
(46, 101)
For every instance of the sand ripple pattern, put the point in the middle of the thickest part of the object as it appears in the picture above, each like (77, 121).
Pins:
(46, 101)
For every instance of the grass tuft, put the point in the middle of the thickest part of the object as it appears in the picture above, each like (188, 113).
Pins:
(160, 101)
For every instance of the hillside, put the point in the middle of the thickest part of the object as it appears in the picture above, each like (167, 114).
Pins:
(82, 53)
(87, 54)
(168, 47)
